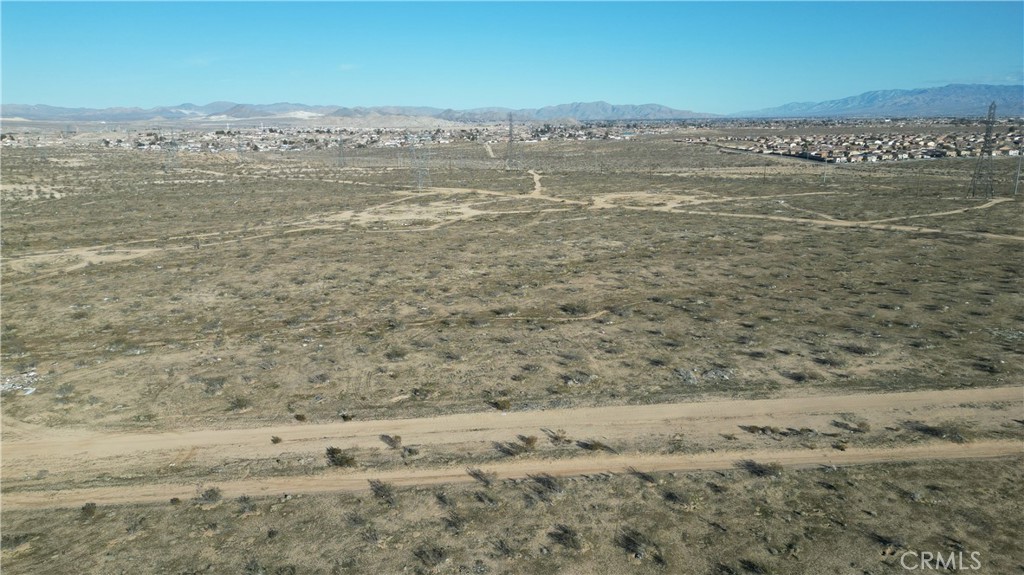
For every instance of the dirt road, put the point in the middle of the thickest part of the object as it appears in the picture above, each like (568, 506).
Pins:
(339, 480)
(67, 454)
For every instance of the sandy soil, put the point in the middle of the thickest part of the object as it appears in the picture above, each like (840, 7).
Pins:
(339, 481)
(66, 452)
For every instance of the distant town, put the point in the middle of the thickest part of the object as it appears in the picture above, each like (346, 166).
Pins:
(876, 147)
(839, 141)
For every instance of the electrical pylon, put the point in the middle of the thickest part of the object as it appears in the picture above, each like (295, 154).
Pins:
(981, 182)
(511, 163)
(419, 162)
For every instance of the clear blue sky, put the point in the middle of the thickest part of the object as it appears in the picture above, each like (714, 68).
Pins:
(717, 57)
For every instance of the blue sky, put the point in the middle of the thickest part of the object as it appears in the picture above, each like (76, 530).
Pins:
(717, 57)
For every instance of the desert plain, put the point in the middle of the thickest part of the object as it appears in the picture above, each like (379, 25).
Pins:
(648, 355)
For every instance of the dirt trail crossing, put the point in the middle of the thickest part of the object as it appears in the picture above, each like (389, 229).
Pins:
(65, 452)
(864, 225)
(444, 213)
(986, 205)
(538, 189)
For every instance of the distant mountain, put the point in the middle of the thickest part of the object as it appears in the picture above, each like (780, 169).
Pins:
(221, 111)
(961, 100)
(594, 111)
(211, 108)
(360, 112)
(282, 109)
(54, 113)
(579, 111)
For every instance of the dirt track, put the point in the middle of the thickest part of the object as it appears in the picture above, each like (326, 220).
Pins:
(336, 480)
(65, 452)
(443, 212)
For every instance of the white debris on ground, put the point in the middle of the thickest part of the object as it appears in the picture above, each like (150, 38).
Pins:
(24, 382)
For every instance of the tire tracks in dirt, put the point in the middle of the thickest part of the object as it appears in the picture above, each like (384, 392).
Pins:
(334, 481)
(65, 451)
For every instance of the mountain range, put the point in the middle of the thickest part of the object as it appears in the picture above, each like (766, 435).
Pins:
(965, 100)
(226, 111)
(954, 100)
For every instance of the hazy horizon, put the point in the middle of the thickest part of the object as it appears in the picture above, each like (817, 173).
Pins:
(705, 57)
(231, 103)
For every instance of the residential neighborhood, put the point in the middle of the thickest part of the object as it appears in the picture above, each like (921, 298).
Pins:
(846, 141)
(292, 138)
(876, 147)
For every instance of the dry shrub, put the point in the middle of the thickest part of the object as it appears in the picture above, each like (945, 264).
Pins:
(383, 491)
(340, 458)
(566, 537)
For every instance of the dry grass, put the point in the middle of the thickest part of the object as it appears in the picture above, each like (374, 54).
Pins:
(282, 310)
(802, 522)
(226, 294)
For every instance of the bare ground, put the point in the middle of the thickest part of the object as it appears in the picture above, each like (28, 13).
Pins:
(66, 453)
(622, 303)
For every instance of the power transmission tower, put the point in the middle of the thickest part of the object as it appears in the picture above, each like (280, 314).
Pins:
(981, 182)
(171, 158)
(419, 162)
(511, 162)
(423, 169)
(1020, 159)
(241, 147)
(341, 152)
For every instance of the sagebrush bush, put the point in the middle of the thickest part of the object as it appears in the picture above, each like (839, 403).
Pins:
(337, 457)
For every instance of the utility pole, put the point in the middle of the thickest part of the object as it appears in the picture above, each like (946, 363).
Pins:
(1016, 183)
(510, 160)
(419, 164)
(171, 154)
(981, 182)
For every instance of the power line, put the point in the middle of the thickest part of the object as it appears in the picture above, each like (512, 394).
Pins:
(511, 162)
(1020, 158)
(171, 154)
(981, 182)
(419, 162)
